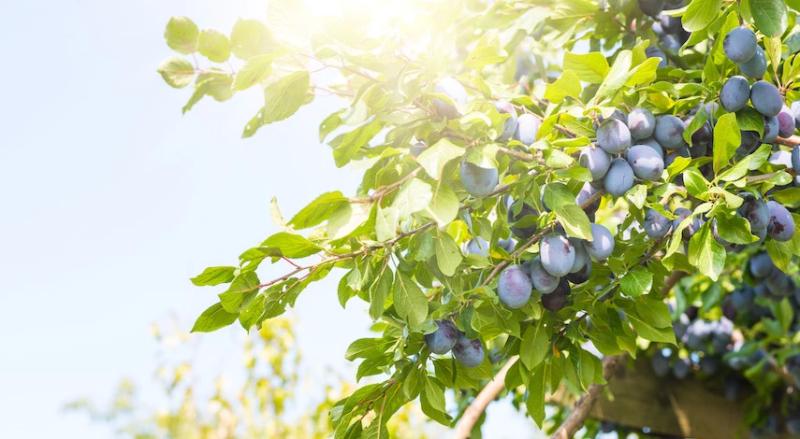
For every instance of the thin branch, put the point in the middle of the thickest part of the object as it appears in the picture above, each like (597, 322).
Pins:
(789, 141)
(485, 397)
(384, 190)
(583, 407)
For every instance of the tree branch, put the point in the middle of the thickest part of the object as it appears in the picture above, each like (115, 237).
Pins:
(484, 398)
(789, 141)
(583, 407)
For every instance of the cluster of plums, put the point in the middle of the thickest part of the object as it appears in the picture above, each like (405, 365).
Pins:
(670, 31)
(630, 147)
(469, 352)
(741, 47)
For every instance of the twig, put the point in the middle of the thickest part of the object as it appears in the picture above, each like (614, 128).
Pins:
(789, 141)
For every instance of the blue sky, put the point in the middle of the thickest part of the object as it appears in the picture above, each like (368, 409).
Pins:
(112, 200)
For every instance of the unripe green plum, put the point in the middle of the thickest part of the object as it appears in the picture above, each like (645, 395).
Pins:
(557, 254)
(527, 128)
(477, 246)
(602, 244)
(523, 224)
(757, 66)
(645, 162)
(453, 89)
(761, 265)
(443, 338)
(478, 181)
(581, 276)
(735, 93)
(766, 98)
(669, 131)
(510, 125)
(542, 281)
(740, 44)
(641, 123)
(558, 298)
(596, 160)
(656, 225)
(514, 287)
(619, 177)
(613, 136)
(468, 352)
(781, 223)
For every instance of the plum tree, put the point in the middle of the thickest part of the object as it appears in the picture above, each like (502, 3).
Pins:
(557, 255)
(619, 177)
(735, 93)
(740, 44)
(613, 136)
(645, 162)
(592, 117)
(602, 244)
(669, 131)
(596, 160)
(514, 287)
(641, 123)
(468, 352)
(443, 338)
(543, 281)
(477, 180)
(766, 98)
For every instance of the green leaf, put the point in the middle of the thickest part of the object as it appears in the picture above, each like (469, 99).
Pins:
(177, 72)
(788, 197)
(290, 245)
(734, 229)
(537, 387)
(243, 286)
(617, 76)
(181, 35)
(588, 365)
(567, 85)
(706, 253)
(589, 67)
(319, 210)
(380, 292)
(214, 276)
(214, 45)
(488, 50)
(347, 145)
(432, 401)
(212, 83)
(414, 196)
(434, 159)
(254, 71)
(749, 163)
(282, 99)
(213, 318)
(386, 222)
(770, 16)
(695, 183)
(448, 255)
(534, 345)
(444, 205)
(700, 13)
(727, 139)
(644, 73)
(409, 301)
(750, 120)
(250, 38)
(637, 282)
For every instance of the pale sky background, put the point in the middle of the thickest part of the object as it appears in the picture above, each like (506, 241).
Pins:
(112, 200)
